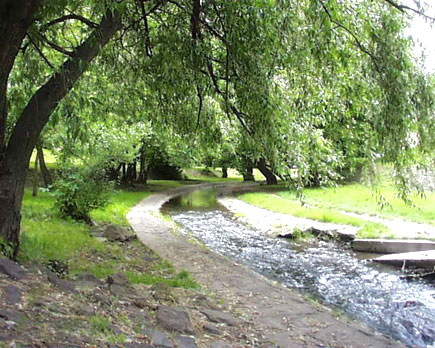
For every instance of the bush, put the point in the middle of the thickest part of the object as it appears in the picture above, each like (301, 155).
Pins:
(80, 190)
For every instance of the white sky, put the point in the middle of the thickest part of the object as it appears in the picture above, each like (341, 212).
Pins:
(423, 34)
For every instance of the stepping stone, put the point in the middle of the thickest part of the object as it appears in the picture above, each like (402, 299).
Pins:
(12, 269)
(392, 246)
(220, 317)
(12, 294)
(185, 342)
(424, 259)
(175, 319)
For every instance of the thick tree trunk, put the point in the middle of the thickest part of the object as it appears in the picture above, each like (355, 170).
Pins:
(11, 195)
(16, 16)
(270, 177)
(46, 176)
(14, 159)
(224, 172)
(248, 174)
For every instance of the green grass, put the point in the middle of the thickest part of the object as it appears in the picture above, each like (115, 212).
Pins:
(179, 280)
(285, 206)
(119, 205)
(361, 199)
(46, 236)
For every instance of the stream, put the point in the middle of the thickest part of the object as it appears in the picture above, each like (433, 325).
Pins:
(337, 277)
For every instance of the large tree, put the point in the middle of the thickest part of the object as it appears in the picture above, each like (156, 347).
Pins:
(269, 65)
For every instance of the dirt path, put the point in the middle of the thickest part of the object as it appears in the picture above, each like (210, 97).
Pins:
(268, 309)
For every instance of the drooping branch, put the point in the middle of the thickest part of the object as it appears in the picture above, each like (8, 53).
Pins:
(404, 8)
(37, 112)
(352, 34)
(40, 52)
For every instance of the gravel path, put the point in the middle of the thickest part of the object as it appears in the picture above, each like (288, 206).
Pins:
(269, 310)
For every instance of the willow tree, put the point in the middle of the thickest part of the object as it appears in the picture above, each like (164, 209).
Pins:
(259, 59)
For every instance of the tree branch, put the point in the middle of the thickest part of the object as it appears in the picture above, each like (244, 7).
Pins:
(40, 52)
(39, 108)
(404, 8)
(351, 33)
(69, 17)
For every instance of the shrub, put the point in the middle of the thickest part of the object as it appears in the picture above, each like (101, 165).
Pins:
(80, 190)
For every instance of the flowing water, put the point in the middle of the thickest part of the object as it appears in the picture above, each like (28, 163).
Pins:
(337, 277)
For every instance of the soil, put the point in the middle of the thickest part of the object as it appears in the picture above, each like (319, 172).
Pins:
(269, 313)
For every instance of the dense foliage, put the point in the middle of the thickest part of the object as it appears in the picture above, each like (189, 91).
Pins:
(309, 87)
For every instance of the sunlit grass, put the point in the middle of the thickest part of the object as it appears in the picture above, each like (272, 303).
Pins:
(361, 199)
(285, 206)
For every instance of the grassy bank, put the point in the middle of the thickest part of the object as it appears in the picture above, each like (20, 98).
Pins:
(361, 199)
(282, 205)
(46, 236)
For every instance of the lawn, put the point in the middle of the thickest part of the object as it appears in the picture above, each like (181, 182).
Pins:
(361, 199)
(282, 205)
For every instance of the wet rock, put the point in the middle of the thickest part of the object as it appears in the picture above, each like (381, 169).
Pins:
(288, 235)
(62, 284)
(219, 344)
(118, 279)
(12, 269)
(175, 319)
(185, 342)
(220, 317)
(212, 329)
(118, 234)
(12, 294)
(160, 339)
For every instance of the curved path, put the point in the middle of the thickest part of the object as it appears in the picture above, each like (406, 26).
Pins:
(269, 309)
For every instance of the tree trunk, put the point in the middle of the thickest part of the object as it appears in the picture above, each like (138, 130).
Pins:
(270, 177)
(248, 174)
(46, 176)
(143, 174)
(11, 195)
(16, 16)
(224, 172)
(15, 157)
(35, 178)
